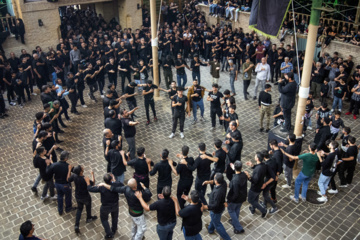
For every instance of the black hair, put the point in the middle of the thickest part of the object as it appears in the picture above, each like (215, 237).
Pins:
(352, 139)
(313, 146)
(107, 178)
(334, 143)
(47, 125)
(215, 85)
(114, 143)
(227, 92)
(26, 228)
(219, 177)
(39, 115)
(324, 104)
(185, 150)
(112, 113)
(202, 146)
(140, 151)
(267, 86)
(194, 195)
(165, 154)
(42, 134)
(273, 142)
(266, 154)
(217, 143)
(292, 137)
(40, 149)
(77, 170)
(260, 156)
(347, 130)
(238, 165)
(64, 155)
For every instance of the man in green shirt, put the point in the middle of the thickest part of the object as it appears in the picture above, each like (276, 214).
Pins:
(310, 160)
(247, 68)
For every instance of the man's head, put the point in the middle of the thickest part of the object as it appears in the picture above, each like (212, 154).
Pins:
(292, 137)
(263, 60)
(112, 113)
(64, 156)
(149, 83)
(132, 183)
(46, 89)
(107, 133)
(259, 157)
(194, 196)
(107, 178)
(238, 166)
(116, 144)
(218, 179)
(166, 192)
(180, 91)
(195, 82)
(217, 143)
(267, 87)
(41, 151)
(273, 143)
(233, 125)
(140, 151)
(165, 154)
(78, 170)
(312, 147)
(202, 147)
(215, 87)
(27, 229)
(235, 136)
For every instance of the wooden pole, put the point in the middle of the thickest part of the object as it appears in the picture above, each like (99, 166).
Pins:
(154, 44)
(309, 56)
(357, 15)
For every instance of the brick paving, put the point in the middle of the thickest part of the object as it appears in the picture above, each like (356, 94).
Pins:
(339, 218)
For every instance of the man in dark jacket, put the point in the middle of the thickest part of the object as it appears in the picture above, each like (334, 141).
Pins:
(136, 210)
(109, 203)
(322, 135)
(234, 152)
(72, 87)
(288, 94)
(237, 195)
(257, 183)
(216, 206)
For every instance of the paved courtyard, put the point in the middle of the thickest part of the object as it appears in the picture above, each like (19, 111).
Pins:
(339, 218)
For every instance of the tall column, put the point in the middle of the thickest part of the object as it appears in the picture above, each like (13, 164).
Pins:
(154, 44)
(307, 68)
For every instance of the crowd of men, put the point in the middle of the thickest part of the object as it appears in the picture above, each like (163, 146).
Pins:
(92, 50)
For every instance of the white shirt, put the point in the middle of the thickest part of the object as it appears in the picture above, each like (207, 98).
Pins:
(263, 74)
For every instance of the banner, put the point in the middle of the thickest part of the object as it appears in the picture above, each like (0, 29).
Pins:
(267, 16)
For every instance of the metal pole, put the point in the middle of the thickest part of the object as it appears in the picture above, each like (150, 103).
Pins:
(154, 44)
(309, 56)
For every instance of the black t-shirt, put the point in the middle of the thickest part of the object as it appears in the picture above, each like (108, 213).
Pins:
(149, 96)
(114, 124)
(327, 164)
(340, 92)
(130, 91)
(219, 166)
(164, 170)
(140, 166)
(198, 89)
(165, 211)
(191, 216)
(180, 71)
(352, 151)
(182, 100)
(202, 166)
(216, 102)
(292, 150)
(129, 131)
(184, 171)
(81, 191)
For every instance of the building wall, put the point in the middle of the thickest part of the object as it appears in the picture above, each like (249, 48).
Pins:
(129, 15)
(344, 49)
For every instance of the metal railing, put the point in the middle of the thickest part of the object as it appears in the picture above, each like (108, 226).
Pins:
(7, 23)
(327, 21)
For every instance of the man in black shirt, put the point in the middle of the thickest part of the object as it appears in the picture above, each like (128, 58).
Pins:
(124, 71)
(203, 171)
(215, 106)
(349, 163)
(117, 160)
(60, 172)
(265, 107)
(178, 103)
(165, 208)
(164, 168)
(217, 206)
(278, 157)
(114, 124)
(195, 68)
(148, 94)
(142, 166)
(109, 203)
(136, 210)
(130, 96)
(272, 165)
(180, 65)
(237, 195)
(129, 130)
(291, 149)
(288, 94)
(71, 84)
(108, 136)
(191, 215)
(82, 195)
(195, 99)
(186, 177)
(258, 183)
(233, 150)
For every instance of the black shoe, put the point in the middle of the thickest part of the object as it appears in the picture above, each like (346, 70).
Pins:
(89, 220)
(59, 141)
(239, 232)
(71, 209)
(34, 190)
(60, 213)
(2, 116)
(5, 115)
(29, 99)
(276, 83)
(59, 149)
(61, 131)
(64, 126)
(261, 129)
(267, 130)
(252, 211)
(264, 214)
(109, 236)
(254, 98)
(77, 230)
(246, 99)
(113, 231)
(76, 113)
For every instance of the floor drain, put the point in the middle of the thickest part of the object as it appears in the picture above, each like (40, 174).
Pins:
(311, 197)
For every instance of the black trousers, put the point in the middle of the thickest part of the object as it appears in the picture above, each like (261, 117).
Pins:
(181, 117)
(73, 99)
(332, 180)
(123, 78)
(246, 84)
(354, 107)
(273, 189)
(229, 172)
(113, 79)
(101, 83)
(266, 195)
(80, 207)
(287, 117)
(10, 93)
(183, 187)
(213, 113)
(272, 72)
(150, 103)
(2, 104)
(277, 72)
(20, 94)
(349, 168)
(93, 88)
(81, 96)
(104, 217)
(201, 188)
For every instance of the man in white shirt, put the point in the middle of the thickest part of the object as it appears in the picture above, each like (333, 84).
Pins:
(263, 74)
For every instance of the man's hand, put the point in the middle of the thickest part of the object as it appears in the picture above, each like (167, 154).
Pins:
(179, 155)
(142, 185)
(70, 167)
(170, 162)
(263, 186)
(160, 196)
(203, 156)
(185, 197)
(226, 204)
(87, 180)
(183, 161)
(148, 161)
(48, 162)
(108, 142)
(248, 163)
(138, 194)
